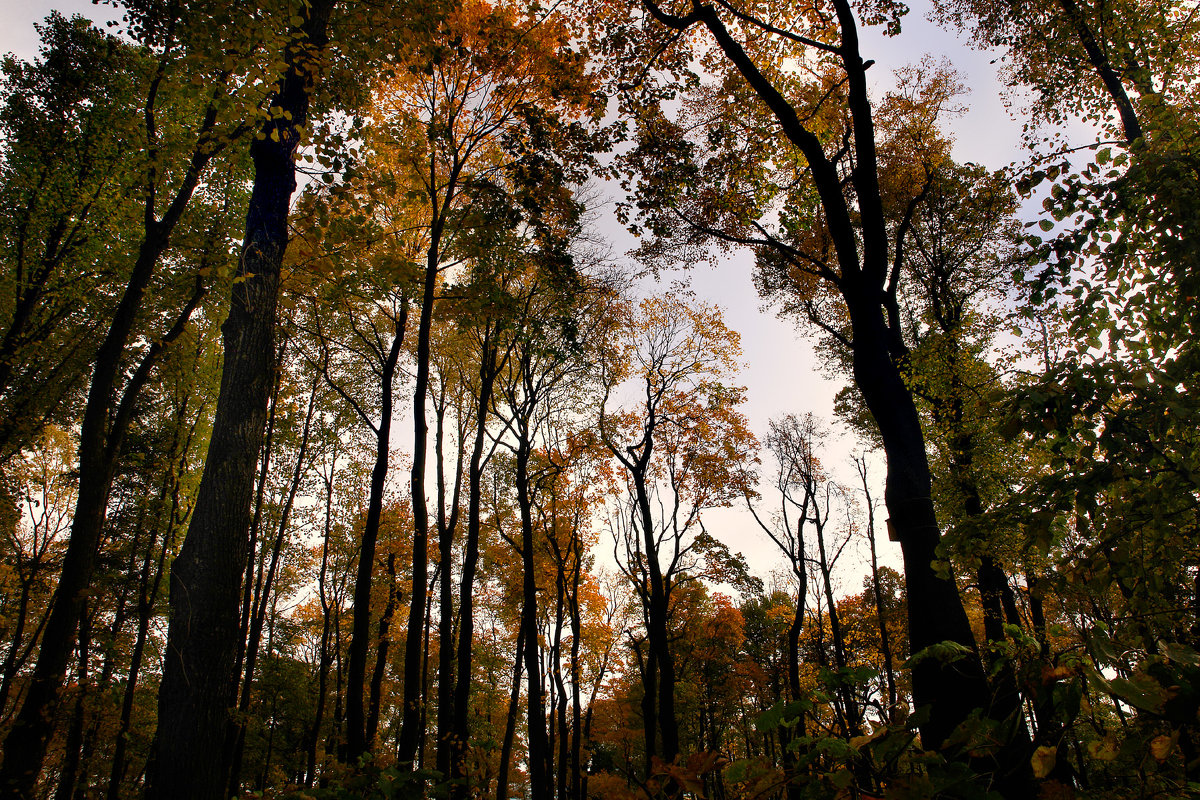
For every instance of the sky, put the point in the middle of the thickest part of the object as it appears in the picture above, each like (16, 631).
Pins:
(781, 374)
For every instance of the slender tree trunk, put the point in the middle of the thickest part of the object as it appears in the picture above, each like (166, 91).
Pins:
(885, 644)
(13, 659)
(657, 627)
(460, 734)
(206, 577)
(541, 787)
(357, 740)
(576, 689)
(410, 725)
(381, 653)
(424, 718)
(510, 722)
(848, 704)
(69, 771)
(446, 530)
(264, 592)
(323, 659)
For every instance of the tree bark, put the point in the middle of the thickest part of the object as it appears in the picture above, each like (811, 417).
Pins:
(261, 598)
(206, 577)
(410, 724)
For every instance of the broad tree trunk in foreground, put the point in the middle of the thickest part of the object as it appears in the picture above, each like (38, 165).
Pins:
(202, 640)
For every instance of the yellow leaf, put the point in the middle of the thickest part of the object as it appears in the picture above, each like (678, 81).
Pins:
(1043, 760)
(1161, 747)
(1103, 750)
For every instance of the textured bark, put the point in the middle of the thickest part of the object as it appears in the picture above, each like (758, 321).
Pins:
(202, 641)
(262, 595)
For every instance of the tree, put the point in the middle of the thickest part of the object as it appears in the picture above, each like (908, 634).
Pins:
(206, 575)
(467, 100)
(681, 449)
(836, 243)
(177, 161)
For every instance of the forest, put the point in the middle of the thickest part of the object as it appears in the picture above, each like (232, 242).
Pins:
(360, 436)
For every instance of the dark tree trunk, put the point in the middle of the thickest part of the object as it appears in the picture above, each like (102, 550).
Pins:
(69, 771)
(657, 619)
(252, 581)
(510, 721)
(649, 703)
(447, 526)
(885, 642)
(324, 658)
(410, 723)
(261, 599)
(357, 739)
(460, 732)
(540, 784)
(202, 641)
(845, 694)
(381, 653)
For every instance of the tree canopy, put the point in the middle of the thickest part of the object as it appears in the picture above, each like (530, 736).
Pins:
(363, 433)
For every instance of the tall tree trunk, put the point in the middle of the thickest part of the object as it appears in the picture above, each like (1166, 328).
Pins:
(935, 610)
(510, 721)
(410, 724)
(252, 581)
(324, 658)
(69, 771)
(885, 643)
(357, 740)
(540, 784)
(381, 653)
(849, 706)
(446, 530)
(206, 577)
(262, 595)
(460, 733)
(658, 613)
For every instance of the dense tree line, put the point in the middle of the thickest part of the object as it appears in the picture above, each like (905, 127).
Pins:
(340, 457)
